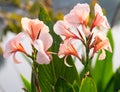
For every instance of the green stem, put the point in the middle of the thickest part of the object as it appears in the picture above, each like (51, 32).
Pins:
(88, 61)
(34, 71)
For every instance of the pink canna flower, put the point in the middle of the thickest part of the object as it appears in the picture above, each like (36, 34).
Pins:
(13, 46)
(101, 42)
(42, 45)
(33, 27)
(67, 48)
(78, 15)
(100, 20)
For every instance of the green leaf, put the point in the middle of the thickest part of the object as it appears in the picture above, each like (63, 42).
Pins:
(63, 86)
(119, 90)
(49, 74)
(103, 71)
(76, 86)
(26, 83)
(114, 83)
(88, 85)
(117, 80)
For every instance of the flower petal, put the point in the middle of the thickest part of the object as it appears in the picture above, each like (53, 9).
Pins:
(100, 20)
(14, 45)
(32, 27)
(67, 49)
(42, 57)
(63, 29)
(38, 44)
(78, 15)
(46, 39)
(101, 41)
(98, 9)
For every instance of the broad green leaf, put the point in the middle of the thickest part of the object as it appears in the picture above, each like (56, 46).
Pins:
(114, 83)
(117, 80)
(49, 74)
(119, 90)
(76, 86)
(26, 83)
(110, 86)
(63, 86)
(88, 85)
(103, 71)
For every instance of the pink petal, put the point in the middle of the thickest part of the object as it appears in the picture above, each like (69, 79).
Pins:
(67, 49)
(46, 39)
(98, 9)
(38, 44)
(14, 45)
(72, 19)
(25, 21)
(101, 41)
(32, 27)
(61, 28)
(8, 50)
(100, 20)
(42, 57)
(45, 29)
(78, 15)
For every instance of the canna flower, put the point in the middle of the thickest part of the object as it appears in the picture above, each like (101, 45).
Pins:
(66, 49)
(33, 27)
(42, 45)
(13, 46)
(41, 39)
(100, 20)
(78, 15)
(101, 42)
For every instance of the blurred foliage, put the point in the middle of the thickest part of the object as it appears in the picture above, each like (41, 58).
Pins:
(12, 2)
(29, 9)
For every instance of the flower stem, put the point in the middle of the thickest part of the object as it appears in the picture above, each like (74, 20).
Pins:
(36, 82)
(34, 71)
(88, 60)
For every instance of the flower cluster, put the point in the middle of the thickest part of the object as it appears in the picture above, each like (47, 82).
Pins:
(73, 29)
(40, 40)
(75, 26)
